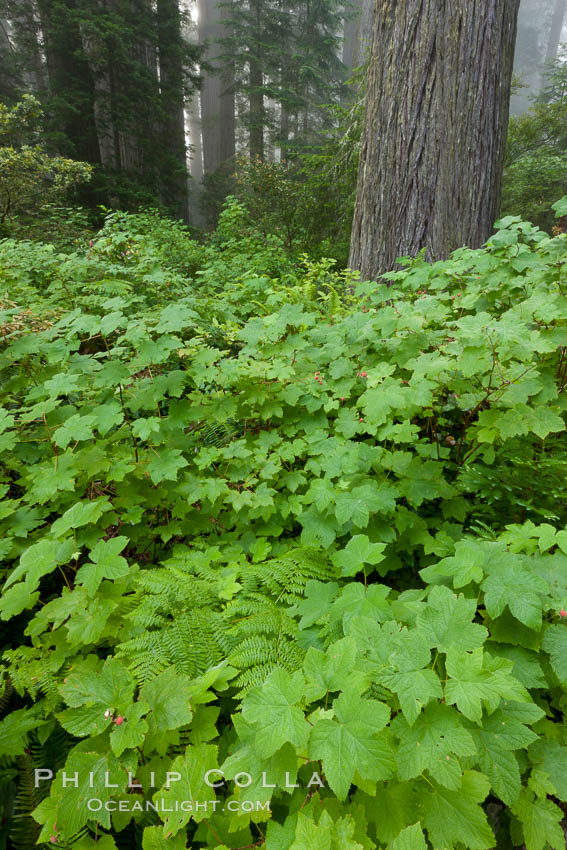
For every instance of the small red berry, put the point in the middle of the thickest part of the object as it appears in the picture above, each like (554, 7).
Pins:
(53, 839)
(563, 613)
(119, 720)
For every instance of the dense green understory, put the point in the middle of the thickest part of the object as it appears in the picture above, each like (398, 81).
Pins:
(264, 519)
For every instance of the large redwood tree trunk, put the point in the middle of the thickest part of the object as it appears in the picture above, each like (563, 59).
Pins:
(435, 130)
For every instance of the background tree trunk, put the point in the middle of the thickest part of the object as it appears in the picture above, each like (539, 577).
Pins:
(171, 76)
(194, 129)
(365, 31)
(435, 130)
(25, 30)
(102, 101)
(256, 115)
(284, 128)
(351, 34)
(70, 82)
(217, 97)
(196, 217)
(559, 10)
(358, 34)
(9, 82)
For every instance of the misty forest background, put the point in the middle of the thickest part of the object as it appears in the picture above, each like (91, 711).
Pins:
(283, 404)
(178, 105)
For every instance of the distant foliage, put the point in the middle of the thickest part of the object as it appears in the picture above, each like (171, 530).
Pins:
(308, 199)
(29, 176)
(259, 517)
(536, 165)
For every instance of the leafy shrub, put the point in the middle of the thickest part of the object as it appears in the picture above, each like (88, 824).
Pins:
(283, 523)
(308, 199)
(536, 164)
(27, 172)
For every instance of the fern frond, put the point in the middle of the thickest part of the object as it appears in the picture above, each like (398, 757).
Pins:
(284, 578)
(251, 677)
(7, 691)
(187, 642)
(187, 625)
(36, 673)
(52, 753)
(23, 829)
(144, 656)
(219, 434)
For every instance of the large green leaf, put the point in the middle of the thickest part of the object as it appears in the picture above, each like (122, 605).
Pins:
(434, 743)
(351, 742)
(273, 710)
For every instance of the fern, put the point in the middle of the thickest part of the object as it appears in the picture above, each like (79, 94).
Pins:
(36, 673)
(218, 434)
(189, 642)
(284, 578)
(184, 623)
(52, 753)
(264, 632)
(23, 829)
(6, 696)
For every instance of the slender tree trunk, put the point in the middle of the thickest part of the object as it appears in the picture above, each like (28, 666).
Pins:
(256, 115)
(256, 97)
(305, 122)
(5, 43)
(351, 35)
(559, 10)
(8, 81)
(69, 78)
(102, 101)
(357, 36)
(196, 148)
(146, 128)
(435, 130)
(217, 96)
(25, 29)
(284, 127)
(173, 103)
(195, 187)
(365, 31)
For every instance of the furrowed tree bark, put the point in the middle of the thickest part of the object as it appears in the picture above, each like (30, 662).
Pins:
(435, 129)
